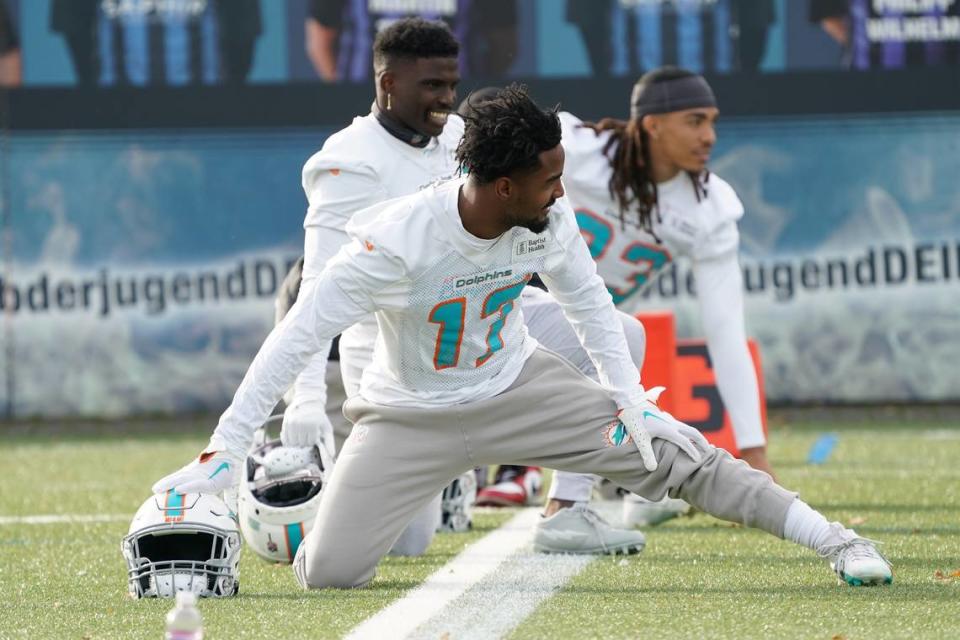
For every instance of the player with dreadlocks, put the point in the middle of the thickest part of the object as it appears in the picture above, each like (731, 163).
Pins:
(643, 196)
(631, 149)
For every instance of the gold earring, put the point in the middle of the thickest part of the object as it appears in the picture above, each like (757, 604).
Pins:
(389, 102)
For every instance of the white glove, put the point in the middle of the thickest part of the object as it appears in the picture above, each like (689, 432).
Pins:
(211, 472)
(646, 421)
(305, 424)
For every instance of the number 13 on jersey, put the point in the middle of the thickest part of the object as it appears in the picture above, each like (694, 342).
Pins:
(451, 316)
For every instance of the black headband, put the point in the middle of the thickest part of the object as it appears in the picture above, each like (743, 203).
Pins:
(689, 92)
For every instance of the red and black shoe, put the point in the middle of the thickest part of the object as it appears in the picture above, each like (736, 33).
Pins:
(513, 486)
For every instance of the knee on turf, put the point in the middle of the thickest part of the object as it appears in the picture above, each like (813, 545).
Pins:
(410, 546)
(332, 574)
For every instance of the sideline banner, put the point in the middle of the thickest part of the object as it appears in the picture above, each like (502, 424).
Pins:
(144, 265)
(144, 268)
(850, 249)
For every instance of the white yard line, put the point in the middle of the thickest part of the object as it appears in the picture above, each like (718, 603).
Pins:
(450, 581)
(496, 605)
(485, 592)
(64, 518)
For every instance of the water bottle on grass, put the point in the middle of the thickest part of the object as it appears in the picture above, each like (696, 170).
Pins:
(184, 621)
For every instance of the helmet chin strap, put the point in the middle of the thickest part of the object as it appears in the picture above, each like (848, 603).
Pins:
(399, 130)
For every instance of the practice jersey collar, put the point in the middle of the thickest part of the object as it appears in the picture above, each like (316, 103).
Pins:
(401, 132)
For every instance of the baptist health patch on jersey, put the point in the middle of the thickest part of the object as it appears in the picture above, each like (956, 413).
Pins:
(527, 245)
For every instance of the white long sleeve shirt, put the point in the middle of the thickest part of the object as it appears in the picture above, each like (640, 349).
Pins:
(445, 301)
(705, 230)
(364, 164)
(358, 167)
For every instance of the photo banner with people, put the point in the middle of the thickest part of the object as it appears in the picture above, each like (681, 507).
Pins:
(145, 264)
(150, 43)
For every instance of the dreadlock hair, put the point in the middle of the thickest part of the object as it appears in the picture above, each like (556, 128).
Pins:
(628, 150)
(506, 133)
(413, 38)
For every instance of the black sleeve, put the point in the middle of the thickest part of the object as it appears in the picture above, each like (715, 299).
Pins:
(823, 9)
(494, 14)
(585, 11)
(73, 16)
(239, 18)
(329, 13)
(8, 33)
(755, 13)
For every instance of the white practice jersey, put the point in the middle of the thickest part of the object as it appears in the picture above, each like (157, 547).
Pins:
(358, 167)
(450, 328)
(364, 164)
(445, 301)
(629, 258)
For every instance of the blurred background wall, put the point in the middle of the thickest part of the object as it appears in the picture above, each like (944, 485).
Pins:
(150, 155)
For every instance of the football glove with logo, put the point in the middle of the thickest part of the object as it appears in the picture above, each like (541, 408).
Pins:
(646, 421)
(211, 472)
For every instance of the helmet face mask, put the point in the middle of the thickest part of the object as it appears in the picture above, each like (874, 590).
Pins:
(182, 542)
(280, 495)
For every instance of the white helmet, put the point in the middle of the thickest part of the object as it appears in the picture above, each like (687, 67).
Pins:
(182, 542)
(280, 495)
(456, 503)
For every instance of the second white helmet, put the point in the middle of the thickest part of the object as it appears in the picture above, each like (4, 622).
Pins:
(279, 495)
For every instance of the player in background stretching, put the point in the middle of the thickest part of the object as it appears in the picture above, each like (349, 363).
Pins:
(643, 195)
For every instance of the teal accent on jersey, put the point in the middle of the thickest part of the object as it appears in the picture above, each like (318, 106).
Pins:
(649, 258)
(597, 234)
(223, 465)
(450, 316)
(500, 300)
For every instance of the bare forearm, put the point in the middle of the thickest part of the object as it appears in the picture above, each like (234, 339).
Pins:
(321, 43)
(837, 28)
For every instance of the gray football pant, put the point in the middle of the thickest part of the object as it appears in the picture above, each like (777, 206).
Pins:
(343, 378)
(419, 533)
(398, 459)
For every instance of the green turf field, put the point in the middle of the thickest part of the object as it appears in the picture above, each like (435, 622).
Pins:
(698, 578)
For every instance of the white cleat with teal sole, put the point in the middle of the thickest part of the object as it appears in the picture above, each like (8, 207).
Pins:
(856, 560)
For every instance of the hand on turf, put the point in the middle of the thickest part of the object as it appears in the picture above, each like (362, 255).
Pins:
(647, 421)
(305, 424)
(211, 472)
